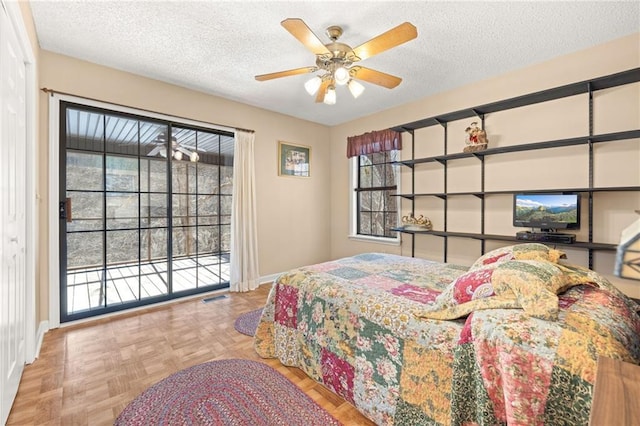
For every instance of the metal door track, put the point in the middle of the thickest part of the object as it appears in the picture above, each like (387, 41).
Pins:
(214, 298)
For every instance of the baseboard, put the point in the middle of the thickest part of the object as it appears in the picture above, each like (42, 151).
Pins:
(268, 279)
(43, 327)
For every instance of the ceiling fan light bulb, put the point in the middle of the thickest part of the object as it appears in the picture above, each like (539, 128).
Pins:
(194, 157)
(330, 96)
(355, 88)
(341, 75)
(177, 155)
(313, 85)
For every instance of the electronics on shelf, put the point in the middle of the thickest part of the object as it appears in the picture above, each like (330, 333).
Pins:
(547, 210)
(546, 237)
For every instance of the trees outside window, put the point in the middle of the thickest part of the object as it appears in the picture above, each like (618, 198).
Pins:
(375, 189)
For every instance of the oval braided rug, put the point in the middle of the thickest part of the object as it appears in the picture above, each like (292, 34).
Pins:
(248, 322)
(225, 392)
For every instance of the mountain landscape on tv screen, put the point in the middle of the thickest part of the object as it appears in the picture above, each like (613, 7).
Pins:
(564, 214)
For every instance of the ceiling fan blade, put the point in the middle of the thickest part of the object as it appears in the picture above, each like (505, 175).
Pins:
(155, 151)
(376, 77)
(322, 90)
(385, 41)
(296, 71)
(184, 150)
(303, 33)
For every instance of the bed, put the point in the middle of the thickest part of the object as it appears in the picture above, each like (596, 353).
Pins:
(514, 339)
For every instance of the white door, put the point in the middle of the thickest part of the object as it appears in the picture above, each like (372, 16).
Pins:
(12, 214)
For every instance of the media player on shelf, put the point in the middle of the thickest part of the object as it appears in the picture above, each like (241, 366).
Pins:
(547, 237)
(548, 212)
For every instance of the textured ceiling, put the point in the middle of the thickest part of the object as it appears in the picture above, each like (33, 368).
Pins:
(218, 47)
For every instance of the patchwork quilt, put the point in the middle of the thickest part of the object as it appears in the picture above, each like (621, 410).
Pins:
(366, 327)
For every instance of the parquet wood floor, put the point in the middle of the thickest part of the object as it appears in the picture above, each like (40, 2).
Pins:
(86, 374)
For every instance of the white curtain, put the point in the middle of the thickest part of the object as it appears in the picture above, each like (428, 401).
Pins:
(244, 234)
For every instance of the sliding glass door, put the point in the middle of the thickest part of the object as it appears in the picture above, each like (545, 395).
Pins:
(145, 210)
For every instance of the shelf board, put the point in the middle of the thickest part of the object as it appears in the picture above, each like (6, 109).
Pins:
(430, 194)
(582, 140)
(577, 244)
(519, 191)
(613, 80)
(617, 136)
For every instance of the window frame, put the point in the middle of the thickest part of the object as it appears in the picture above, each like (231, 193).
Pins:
(354, 169)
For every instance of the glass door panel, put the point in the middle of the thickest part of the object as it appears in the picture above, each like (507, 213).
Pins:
(123, 267)
(87, 211)
(84, 171)
(225, 252)
(84, 272)
(154, 252)
(208, 258)
(153, 270)
(84, 243)
(184, 265)
(143, 223)
(123, 210)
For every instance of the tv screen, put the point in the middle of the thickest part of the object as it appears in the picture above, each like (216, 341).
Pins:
(547, 211)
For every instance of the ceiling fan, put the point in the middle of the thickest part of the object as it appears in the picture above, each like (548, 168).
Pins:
(177, 151)
(336, 60)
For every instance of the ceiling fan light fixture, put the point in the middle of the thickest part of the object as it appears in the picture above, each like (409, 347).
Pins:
(355, 88)
(341, 76)
(312, 86)
(336, 59)
(194, 157)
(177, 155)
(330, 96)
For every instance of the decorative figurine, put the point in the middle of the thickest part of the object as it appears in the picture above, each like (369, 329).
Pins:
(476, 139)
(412, 223)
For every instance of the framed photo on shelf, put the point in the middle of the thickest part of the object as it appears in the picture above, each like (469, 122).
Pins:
(293, 160)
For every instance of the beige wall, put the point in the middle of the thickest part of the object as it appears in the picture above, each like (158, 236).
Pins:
(25, 9)
(615, 164)
(293, 213)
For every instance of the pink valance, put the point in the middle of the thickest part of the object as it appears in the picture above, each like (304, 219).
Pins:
(372, 142)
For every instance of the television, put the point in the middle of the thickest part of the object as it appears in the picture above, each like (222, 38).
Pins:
(547, 211)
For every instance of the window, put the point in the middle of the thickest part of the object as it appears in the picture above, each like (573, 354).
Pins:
(375, 204)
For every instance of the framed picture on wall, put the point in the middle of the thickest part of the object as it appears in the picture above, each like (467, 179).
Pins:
(293, 160)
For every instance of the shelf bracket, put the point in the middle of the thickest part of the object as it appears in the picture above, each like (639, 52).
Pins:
(479, 114)
(440, 160)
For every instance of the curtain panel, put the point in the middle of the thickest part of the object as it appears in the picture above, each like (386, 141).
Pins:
(372, 142)
(244, 229)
